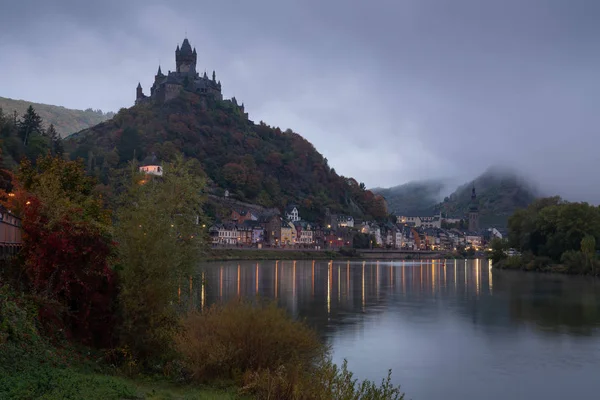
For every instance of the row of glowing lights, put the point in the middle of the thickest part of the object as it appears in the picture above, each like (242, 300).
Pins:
(330, 279)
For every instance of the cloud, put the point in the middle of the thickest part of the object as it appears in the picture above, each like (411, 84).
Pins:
(389, 91)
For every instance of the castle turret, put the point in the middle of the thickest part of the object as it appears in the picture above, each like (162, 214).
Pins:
(185, 58)
(139, 93)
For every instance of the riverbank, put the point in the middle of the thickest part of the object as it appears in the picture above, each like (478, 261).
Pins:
(215, 357)
(219, 254)
(576, 266)
(33, 368)
(235, 254)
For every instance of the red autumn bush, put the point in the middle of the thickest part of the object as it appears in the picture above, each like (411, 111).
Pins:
(66, 249)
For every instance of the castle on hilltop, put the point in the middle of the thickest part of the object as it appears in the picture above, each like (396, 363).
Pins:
(185, 77)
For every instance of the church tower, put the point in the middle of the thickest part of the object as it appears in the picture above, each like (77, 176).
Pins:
(185, 58)
(473, 212)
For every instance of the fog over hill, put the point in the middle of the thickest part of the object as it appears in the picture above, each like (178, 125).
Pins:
(500, 191)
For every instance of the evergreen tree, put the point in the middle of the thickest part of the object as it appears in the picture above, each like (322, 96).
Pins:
(51, 133)
(58, 147)
(56, 141)
(30, 124)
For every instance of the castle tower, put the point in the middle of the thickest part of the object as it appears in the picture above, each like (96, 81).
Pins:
(139, 95)
(473, 212)
(185, 58)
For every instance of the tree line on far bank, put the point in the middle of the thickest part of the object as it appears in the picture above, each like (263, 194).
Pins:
(552, 235)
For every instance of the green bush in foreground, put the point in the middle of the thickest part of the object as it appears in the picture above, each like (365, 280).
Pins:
(30, 368)
(269, 355)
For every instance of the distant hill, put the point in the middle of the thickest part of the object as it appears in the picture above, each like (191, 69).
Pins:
(65, 120)
(257, 163)
(413, 198)
(500, 191)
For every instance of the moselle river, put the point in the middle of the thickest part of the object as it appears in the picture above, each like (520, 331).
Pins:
(451, 329)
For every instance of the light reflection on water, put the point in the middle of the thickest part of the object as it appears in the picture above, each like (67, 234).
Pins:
(448, 329)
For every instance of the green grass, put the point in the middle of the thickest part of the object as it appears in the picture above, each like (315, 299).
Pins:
(31, 368)
(158, 390)
(33, 378)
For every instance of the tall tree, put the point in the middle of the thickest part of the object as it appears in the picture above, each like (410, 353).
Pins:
(51, 133)
(588, 248)
(159, 242)
(30, 124)
(55, 140)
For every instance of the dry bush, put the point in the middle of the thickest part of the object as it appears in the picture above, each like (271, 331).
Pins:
(324, 382)
(271, 356)
(228, 341)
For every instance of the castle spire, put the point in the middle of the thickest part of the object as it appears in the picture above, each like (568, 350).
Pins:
(159, 73)
(214, 76)
(186, 48)
(139, 86)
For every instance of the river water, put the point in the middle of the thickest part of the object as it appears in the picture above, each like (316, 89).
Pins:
(447, 329)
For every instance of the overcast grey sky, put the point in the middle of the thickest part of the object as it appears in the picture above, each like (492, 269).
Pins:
(388, 90)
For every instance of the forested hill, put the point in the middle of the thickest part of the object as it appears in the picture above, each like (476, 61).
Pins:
(413, 198)
(256, 163)
(500, 191)
(65, 120)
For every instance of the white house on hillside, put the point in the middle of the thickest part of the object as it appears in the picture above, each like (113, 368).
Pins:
(292, 214)
(151, 166)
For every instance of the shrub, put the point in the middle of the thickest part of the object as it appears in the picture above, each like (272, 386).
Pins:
(16, 321)
(574, 261)
(67, 248)
(30, 368)
(513, 262)
(327, 381)
(348, 252)
(269, 354)
(539, 264)
(338, 383)
(227, 341)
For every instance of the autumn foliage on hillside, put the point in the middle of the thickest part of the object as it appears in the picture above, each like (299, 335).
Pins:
(256, 163)
(66, 248)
